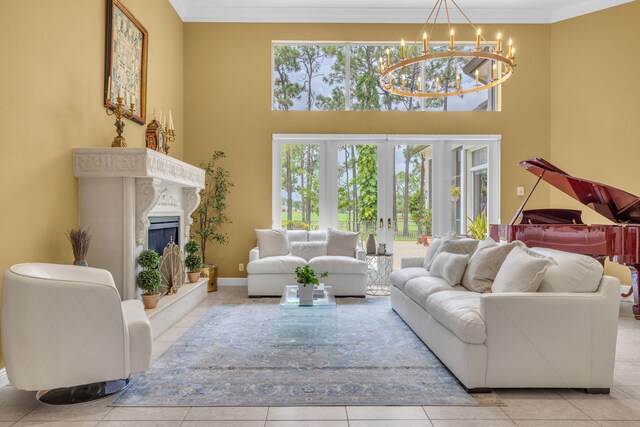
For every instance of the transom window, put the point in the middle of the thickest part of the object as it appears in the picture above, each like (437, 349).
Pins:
(344, 76)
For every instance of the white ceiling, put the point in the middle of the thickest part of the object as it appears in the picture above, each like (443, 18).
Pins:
(383, 11)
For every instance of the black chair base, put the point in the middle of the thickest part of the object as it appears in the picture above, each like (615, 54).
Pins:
(81, 393)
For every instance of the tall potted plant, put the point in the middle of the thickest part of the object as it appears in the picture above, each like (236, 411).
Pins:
(210, 216)
(307, 281)
(149, 278)
(193, 261)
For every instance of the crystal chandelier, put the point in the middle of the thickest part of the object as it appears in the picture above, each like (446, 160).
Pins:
(393, 79)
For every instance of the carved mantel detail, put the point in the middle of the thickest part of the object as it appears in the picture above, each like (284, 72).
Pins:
(147, 195)
(190, 202)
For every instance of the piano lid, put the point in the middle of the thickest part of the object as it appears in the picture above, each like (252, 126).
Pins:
(613, 203)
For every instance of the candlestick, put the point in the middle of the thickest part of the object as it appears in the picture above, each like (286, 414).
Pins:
(120, 92)
(381, 66)
(477, 73)
(478, 33)
(119, 111)
(419, 85)
(170, 120)
(513, 54)
(451, 40)
(437, 84)
(425, 43)
(402, 48)
(499, 43)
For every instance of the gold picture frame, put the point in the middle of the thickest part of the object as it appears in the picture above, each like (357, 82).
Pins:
(126, 53)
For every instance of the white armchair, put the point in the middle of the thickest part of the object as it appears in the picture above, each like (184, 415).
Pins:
(65, 326)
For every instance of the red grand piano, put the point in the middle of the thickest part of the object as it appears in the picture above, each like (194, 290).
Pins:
(564, 230)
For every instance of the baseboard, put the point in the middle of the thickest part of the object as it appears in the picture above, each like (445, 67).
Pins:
(232, 281)
(4, 379)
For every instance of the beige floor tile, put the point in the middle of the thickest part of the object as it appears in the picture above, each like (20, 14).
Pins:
(618, 423)
(5, 423)
(139, 424)
(317, 413)
(390, 423)
(615, 394)
(238, 413)
(55, 424)
(473, 423)
(307, 424)
(187, 321)
(556, 423)
(15, 404)
(527, 393)
(198, 311)
(626, 373)
(386, 413)
(222, 424)
(159, 347)
(613, 409)
(542, 409)
(464, 413)
(172, 334)
(633, 392)
(93, 411)
(147, 414)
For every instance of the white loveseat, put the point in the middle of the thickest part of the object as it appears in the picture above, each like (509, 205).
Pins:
(551, 338)
(268, 276)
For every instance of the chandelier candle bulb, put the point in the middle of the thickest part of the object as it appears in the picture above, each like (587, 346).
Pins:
(403, 81)
(513, 54)
(437, 84)
(499, 43)
(381, 66)
(477, 77)
(510, 54)
(478, 34)
(425, 43)
(458, 82)
(388, 58)
(419, 85)
(494, 72)
(402, 48)
(451, 39)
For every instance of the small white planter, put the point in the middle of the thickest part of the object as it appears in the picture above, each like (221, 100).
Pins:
(305, 294)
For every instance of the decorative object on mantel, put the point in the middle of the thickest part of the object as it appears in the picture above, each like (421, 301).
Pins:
(499, 66)
(80, 240)
(125, 61)
(210, 216)
(119, 111)
(307, 281)
(171, 268)
(160, 133)
(149, 278)
(193, 261)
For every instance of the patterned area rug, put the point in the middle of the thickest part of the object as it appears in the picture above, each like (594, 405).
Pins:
(255, 353)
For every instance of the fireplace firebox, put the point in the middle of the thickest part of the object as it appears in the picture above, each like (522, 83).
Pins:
(163, 229)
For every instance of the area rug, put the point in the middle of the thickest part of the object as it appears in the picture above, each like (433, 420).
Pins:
(255, 353)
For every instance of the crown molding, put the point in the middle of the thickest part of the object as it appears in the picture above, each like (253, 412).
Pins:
(297, 14)
(583, 8)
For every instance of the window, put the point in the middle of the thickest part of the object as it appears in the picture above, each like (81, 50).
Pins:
(344, 76)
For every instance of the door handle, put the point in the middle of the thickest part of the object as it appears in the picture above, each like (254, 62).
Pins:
(381, 223)
(389, 224)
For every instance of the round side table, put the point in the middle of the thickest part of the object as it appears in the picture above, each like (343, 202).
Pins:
(380, 267)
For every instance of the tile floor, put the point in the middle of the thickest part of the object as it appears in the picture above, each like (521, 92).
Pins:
(524, 408)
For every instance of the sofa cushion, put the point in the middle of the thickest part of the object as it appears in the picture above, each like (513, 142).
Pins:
(458, 246)
(485, 264)
(521, 271)
(272, 242)
(297, 236)
(341, 243)
(420, 288)
(276, 265)
(308, 250)
(572, 273)
(433, 249)
(317, 236)
(449, 267)
(338, 265)
(400, 277)
(460, 313)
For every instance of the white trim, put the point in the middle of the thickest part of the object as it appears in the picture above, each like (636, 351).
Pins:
(232, 281)
(4, 379)
(397, 14)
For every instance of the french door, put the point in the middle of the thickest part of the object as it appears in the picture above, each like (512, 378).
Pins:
(401, 188)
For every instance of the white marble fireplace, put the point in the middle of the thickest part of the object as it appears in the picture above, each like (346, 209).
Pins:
(120, 188)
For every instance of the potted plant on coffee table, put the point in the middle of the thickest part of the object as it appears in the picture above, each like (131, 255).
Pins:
(149, 278)
(193, 261)
(307, 281)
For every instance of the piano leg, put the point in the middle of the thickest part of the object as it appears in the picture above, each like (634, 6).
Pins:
(635, 288)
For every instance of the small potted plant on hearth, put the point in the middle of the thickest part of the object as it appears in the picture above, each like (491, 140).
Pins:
(149, 278)
(307, 281)
(193, 261)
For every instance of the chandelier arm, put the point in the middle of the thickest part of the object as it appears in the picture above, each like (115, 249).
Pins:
(467, 18)
(426, 22)
(435, 21)
(446, 8)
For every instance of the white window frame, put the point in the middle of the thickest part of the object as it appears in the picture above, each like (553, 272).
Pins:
(441, 175)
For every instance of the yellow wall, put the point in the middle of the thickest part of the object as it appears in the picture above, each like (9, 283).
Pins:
(594, 103)
(51, 69)
(228, 107)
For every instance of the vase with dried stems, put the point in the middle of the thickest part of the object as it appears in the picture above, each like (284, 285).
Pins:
(80, 240)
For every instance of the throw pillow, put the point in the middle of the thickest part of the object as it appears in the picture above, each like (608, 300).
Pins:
(341, 243)
(308, 250)
(272, 242)
(520, 272)
(449, 267)
(457, 246)
(485, 264)
(433, 248)
(572, 272)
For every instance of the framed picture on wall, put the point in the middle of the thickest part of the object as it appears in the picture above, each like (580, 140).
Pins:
(125, 61)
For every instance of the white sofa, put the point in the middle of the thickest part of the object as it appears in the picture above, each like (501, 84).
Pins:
(268, 276)
(516, 340)
(65, 326)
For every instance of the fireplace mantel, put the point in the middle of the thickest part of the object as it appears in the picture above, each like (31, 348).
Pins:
(119, 189)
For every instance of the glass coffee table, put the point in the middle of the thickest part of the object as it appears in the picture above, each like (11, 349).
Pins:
(307, 325)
